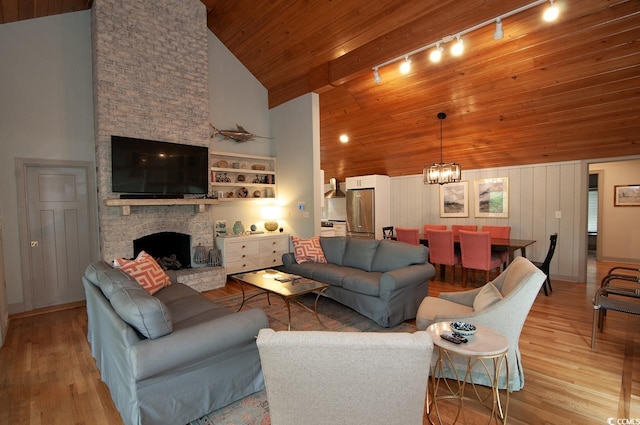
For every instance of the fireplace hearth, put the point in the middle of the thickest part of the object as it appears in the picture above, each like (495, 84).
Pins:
(171, 250)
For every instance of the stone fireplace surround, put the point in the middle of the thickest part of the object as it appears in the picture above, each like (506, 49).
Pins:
(150, 81)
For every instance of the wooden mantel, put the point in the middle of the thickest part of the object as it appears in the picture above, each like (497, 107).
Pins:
(127, 203)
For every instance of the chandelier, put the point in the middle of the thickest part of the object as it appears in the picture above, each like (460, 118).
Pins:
(441, 173)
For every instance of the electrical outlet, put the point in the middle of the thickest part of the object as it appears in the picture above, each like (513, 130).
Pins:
(558, 214)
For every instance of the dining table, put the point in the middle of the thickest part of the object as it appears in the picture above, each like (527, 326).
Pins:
(508, 244)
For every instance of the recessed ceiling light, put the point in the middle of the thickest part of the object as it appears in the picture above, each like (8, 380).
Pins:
(344, 138)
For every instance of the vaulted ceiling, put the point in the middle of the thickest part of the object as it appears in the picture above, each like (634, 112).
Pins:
(546, 92)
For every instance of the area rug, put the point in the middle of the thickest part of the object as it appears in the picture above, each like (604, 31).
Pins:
(254, 409)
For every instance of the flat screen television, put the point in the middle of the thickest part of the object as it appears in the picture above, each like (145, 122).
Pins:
(154, 168)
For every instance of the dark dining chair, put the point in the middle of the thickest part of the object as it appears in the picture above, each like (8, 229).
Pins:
(387, 232)
(544, 266)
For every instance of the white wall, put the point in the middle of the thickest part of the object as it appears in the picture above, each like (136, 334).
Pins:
(296, 126)
(619, 236)
(46, 110)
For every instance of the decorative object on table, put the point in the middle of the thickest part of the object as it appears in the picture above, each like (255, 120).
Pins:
(243, 192)
(253, 228)
(200, 255)
(492, 197)
(442, 173)
(221, 227)
(240, 135)
(463, 328)
(626, 195)
(230, 194)
(257, 194)
(215, 259)
(271, 214)
(241, 178)
(454, 200)
(238, 227)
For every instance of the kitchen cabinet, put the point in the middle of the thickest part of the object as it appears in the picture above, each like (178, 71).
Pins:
(252, 252)
(240, 177)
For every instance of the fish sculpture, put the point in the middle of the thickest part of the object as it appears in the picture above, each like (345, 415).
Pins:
(240, 135)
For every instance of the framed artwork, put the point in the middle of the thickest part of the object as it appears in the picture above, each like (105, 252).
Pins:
(454, 199)
(221, 227)
(626, 195)
(492, 197)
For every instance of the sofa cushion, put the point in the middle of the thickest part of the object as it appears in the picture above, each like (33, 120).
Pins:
(333, 248)
(392, 255)
(146, 271)
(359, 253)
(111, 279)
(308, 250)
(141, 310)
(487, 296)
(188, 307)
(362, 282)
(333, 275)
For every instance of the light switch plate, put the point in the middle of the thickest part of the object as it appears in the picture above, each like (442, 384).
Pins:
(558, 214)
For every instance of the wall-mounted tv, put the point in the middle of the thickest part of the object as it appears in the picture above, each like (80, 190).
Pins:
(154, 168)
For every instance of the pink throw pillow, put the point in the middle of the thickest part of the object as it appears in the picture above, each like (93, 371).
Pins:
(308, 250)
(146, 271)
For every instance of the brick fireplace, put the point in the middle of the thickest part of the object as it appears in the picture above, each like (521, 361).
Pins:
(150, 81)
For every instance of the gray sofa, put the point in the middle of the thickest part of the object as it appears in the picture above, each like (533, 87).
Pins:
(171, 357)
(383, 280)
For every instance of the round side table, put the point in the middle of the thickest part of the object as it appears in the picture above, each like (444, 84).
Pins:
(486, 351)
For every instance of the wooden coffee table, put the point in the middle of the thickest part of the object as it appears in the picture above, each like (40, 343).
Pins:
(286, 286)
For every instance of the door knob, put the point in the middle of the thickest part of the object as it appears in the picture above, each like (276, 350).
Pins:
(35, 244)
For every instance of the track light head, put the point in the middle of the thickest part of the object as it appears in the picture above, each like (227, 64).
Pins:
(498, 33)
(376, 76)
(436, 54)
(551, 13)
(405, 66)
(458, 47)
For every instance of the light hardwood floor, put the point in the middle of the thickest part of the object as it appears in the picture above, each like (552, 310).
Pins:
(47, 374)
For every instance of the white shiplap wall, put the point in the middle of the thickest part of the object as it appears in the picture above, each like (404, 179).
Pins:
(536, 192)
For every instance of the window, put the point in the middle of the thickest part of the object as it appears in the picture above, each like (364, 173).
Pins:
(592, 217)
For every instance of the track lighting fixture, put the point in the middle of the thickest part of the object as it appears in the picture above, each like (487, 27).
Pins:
(405, 66)
(498, 33)
(458, 48)
(436, 53)
(550, 14)
(376, 76)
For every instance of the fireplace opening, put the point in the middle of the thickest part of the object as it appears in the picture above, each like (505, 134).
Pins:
(170, 249)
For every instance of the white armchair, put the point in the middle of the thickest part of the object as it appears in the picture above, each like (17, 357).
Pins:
(504, 310)
(319, 378)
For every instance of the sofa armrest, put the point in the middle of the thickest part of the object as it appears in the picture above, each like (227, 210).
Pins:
(464, 297)
(406, 276)
(288, 259)
(195, 343)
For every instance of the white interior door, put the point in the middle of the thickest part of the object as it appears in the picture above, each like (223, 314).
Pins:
(60, 232)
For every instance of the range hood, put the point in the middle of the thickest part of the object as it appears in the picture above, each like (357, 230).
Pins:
(335, 191)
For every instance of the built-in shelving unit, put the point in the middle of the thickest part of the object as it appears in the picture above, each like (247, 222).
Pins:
(240, 177)
(126, 204)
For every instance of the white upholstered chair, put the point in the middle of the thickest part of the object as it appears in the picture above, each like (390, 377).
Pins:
(502, 305)
(360, 378)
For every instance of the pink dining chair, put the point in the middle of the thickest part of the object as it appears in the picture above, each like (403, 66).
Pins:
(433, 227)
(441, 251)
(499, 232)
(476, 253)
(408, 235)
(468, 227)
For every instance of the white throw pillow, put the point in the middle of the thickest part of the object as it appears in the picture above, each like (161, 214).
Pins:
(487, 296)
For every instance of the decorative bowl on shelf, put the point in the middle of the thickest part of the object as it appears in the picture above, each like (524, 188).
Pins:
(463, 328)
(257, 194)
(222, 164)
(241, 178)
(243, 192)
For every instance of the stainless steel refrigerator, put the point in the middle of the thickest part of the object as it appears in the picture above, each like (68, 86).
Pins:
(361, 222)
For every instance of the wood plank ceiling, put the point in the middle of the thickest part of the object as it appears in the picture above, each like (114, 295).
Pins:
(544, 93)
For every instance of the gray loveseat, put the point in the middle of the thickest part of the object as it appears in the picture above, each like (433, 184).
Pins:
(383, 280)
(171, 357)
